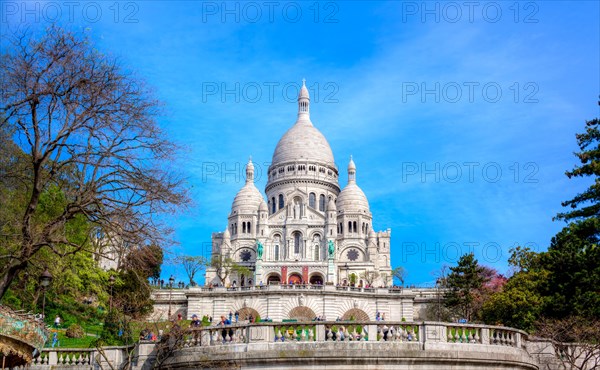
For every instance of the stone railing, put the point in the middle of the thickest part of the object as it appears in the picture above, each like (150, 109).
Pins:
(81, 358)
(344, 331)
(297, 287)
(285, 345)
(356, 345)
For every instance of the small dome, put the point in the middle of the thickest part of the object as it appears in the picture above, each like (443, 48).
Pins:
(263, 206)
(351, 165)
(303, 90)
(331, 205)
(247, 200)
(352, 199)
(226, 234)
(372, 234)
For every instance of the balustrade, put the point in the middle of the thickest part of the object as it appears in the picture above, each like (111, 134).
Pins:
(346, 331)
(463, 334)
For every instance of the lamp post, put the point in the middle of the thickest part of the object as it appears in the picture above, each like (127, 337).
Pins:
(347, 278)
(111, 282)
(45, 280)
(171, 281)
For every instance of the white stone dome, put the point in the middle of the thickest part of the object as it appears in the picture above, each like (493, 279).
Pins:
(263, 206)
(303, 142)
(247, 200)
(352, 199)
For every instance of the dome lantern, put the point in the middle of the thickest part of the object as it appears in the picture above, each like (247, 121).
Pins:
(303, 102)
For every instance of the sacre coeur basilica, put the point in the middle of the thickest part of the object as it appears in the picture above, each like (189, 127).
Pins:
(309, 230)
(310, 246)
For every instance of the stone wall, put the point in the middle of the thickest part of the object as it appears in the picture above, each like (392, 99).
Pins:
(277, 301)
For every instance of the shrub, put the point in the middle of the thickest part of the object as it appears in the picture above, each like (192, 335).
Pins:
(75, 331)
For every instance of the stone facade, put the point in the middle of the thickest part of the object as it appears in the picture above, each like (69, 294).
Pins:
(308, 230)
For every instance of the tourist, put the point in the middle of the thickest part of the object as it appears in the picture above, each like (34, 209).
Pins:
(195, 325)
(378, 316)
(230, 316)
(55, 342)
(57, 322)
(179, 317)
(340, 333)
(237, 316)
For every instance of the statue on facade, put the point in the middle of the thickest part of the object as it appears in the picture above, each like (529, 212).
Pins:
(259, 250)
(331, 249)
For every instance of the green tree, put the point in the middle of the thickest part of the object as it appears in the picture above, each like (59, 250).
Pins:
(573, 263)
(573, 258)
(586, 205)
(462, 285)
(521, 302)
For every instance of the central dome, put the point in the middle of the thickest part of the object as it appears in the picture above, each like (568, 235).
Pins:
(303, 142)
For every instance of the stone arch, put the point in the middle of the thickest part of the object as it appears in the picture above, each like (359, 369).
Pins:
(295, 278)
(355, 313)
(317, 278)
(273, 278)
(246, 312)
(302, 313)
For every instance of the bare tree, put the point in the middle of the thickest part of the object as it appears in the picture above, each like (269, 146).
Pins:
(88, 128)
(369, 276)
(386, 278)
(399, 273)
(192, 265)
(225, 266)
(574, 340)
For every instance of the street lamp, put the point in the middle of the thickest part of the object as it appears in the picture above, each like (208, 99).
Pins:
(171, 281)
(45, 280)
(111, 282)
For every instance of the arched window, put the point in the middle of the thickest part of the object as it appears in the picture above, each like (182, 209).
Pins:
(297, 240)
(355, 229)
(349, 226)
(273, 205)
(341, 228)
(281, 204)
(243, 227)
(276, 253)
(317, 251)
(249, 227)
(322, 203)
(312, 200)
(235, 228)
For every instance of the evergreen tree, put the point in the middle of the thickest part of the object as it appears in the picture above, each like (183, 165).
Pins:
(462, 284)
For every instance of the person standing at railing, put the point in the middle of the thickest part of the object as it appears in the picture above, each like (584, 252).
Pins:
(223, 323)
(195, 325)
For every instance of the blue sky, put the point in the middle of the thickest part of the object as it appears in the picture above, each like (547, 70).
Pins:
(461, 118)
